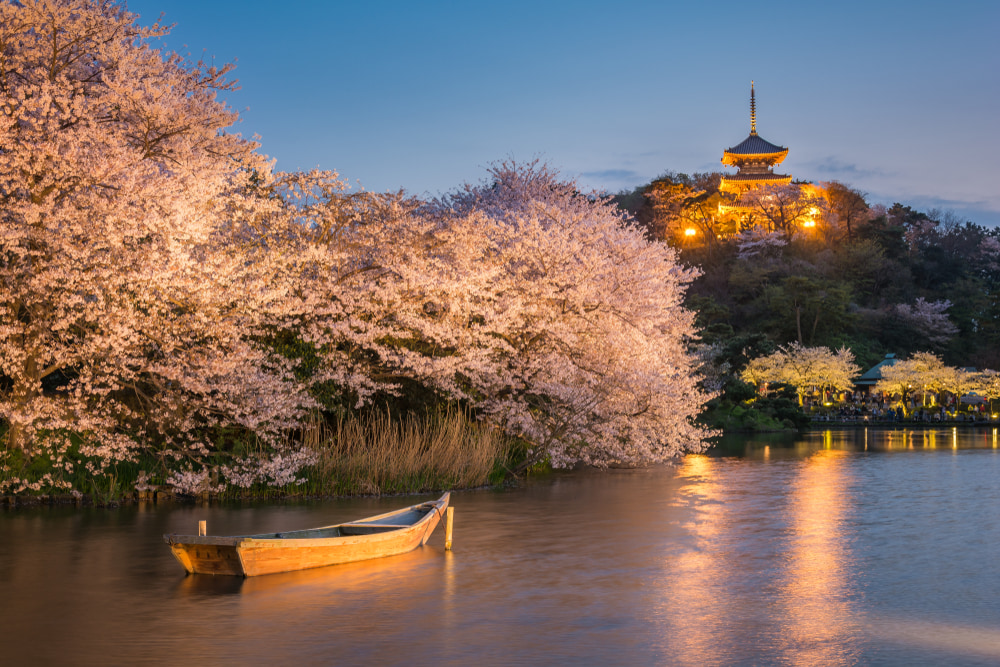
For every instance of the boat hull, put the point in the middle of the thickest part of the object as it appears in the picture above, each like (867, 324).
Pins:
(254, 555)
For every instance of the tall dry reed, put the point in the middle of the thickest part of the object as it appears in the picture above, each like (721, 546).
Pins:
(376, 454)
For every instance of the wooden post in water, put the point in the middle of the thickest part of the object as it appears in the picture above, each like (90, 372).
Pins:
(202, 528)
(449, 520)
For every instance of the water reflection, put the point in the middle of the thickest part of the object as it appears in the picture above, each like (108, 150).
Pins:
(976, 640)
(870, 439)
(769, 550)
(695, 602)
(818, 621)
(340, 580)
(837, 547)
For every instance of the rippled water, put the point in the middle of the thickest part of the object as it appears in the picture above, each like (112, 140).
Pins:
(837, 548)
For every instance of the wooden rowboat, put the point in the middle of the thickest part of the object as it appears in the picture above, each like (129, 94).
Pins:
(250, 555)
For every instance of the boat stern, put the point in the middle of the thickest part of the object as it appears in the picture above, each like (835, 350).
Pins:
(201, 556)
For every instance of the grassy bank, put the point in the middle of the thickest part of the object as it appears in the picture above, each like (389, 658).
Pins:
(368, 454)
(376, 454)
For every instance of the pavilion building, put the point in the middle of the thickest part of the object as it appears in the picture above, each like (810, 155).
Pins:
(870, 378)
(754, 159)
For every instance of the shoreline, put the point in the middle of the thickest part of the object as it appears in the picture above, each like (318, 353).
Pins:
(160, 496)
(860, 423)
(167, 496)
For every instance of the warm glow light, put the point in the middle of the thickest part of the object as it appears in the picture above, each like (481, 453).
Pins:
(690, 231)
(809, 223)
(697, 586)
(818, 587)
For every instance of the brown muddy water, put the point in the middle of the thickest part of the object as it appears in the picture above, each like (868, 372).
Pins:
(830, 548)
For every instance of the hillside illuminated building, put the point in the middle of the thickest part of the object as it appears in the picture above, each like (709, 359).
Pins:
(754, 159)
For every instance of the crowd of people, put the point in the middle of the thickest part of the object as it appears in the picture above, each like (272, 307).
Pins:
(860, 407)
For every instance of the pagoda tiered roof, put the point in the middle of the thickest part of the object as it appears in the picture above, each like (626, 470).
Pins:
(754, 148)
(753, 157)
(767, 177)
(740, 183)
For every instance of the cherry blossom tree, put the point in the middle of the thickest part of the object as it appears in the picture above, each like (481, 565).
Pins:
(929, 319)
(988, 385)
(756, 242)
(784, 208)
(960, 382)
(924, 372)
(125, 312)
(560, 320)
(762, 371)
(328, 262)
(805, 368)
(540, 308)
(161, 286)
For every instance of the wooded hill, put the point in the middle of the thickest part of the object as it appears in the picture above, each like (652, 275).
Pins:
(871, 278)
(818, 266)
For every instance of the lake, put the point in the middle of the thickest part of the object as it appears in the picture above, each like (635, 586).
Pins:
(828, 548)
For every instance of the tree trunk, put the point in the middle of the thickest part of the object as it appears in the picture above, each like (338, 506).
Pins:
(25, 389)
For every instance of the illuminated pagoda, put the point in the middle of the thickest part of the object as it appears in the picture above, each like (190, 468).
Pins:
(754, 160)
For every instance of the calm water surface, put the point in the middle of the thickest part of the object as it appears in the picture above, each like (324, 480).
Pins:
(836, 548)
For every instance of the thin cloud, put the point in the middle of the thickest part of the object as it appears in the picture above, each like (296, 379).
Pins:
(619, 175)
(941, 202)
(837, 168)
(979, 211)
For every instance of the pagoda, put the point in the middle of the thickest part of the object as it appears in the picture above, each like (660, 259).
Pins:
(754, 160)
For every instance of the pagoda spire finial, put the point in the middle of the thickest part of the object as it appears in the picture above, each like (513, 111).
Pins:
(753, 110)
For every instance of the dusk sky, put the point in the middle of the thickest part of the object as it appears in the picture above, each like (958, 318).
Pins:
(900, 100)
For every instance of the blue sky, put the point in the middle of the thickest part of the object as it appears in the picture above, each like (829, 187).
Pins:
(898, 99)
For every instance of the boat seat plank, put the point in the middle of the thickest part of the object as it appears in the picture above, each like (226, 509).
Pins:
(311, 534)
(369, 528)
(405, 518)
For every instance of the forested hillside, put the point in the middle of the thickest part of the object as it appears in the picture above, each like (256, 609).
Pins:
(874, 279)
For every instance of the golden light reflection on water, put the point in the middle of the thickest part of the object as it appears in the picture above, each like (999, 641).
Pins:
(773, 551)
(450, 615)
(799, 597)
(892, 439)
(817, 620)
(695, 606)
